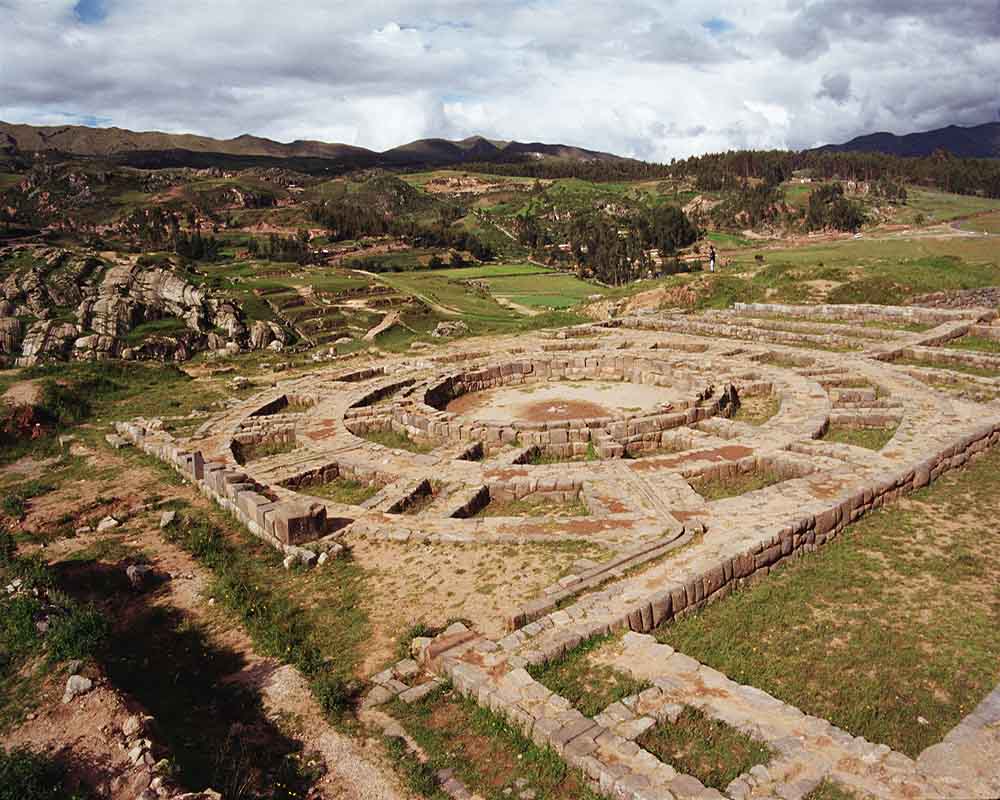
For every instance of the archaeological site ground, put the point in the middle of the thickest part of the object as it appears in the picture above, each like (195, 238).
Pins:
(478, 483)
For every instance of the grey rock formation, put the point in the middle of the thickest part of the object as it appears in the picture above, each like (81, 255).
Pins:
(109, 302)
(46, 338)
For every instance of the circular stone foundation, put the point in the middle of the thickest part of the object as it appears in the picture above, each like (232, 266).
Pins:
(563, 401)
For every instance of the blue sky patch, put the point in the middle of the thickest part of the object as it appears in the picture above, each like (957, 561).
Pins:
(90, 12)
(717, 25)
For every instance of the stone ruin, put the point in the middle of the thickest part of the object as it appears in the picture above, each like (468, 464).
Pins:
(633, 474)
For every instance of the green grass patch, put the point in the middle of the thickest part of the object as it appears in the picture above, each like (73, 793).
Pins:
(757, 409)
(869, 438)
(974, 343)
(312, 620)
(591, 687)
(397, 441)
(15, 501)
(828, 790)
(968, 369)
(342, 490)
(169, 326)
(928, 572)
(711, 751)
(489, 755)
(254, 451)
(534, 507)
(26, 775)
(721, 487)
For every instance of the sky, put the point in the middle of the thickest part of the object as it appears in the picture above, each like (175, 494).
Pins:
(651, 80)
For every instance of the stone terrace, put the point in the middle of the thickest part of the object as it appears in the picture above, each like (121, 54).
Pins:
(636, 475)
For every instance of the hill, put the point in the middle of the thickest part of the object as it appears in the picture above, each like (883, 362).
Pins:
(150, 148)
(979, 141)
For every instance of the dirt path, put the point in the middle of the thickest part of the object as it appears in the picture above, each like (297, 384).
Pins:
(23, 393)
(354, 769)
(506, 302)
(390, 319)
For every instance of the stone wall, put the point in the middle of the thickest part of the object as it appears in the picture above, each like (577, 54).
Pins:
(284, 524)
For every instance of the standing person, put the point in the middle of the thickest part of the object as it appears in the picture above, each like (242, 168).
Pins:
(711, 258)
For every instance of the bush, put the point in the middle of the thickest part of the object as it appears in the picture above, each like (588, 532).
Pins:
(79, 634)
(8, 548)
(25, 775)
(14, 504)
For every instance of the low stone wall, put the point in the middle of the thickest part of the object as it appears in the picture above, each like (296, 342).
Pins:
(284, 524)
(563, 490)
(243, 444)
(991, 332)
(746, 332)
(678, 598)
(946, 357)
(424, 420)
(343, 468)
(868, 313)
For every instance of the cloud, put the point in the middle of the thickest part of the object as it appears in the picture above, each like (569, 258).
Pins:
(653, 80)
(836, 87)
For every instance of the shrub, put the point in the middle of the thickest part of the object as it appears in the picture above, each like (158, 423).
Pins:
(25, 775)
(8, 548)
(79, 634)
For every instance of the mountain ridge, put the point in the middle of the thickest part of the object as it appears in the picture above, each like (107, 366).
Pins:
(976, 141)
(121, 143)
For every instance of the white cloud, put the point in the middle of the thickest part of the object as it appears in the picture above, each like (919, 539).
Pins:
(654, 80)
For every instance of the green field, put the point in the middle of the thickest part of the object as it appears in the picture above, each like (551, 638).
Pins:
(988, 223)
(941, 206)
(526, 284)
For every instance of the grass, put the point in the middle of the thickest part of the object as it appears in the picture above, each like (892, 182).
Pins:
(26, 775)
(531, 507)
(988, 223)
(711, 751)
(491, 757)
(589, 686)
(929, 574)
(869, 438)
(343, 490)
(15, 502)
(782, 360)
(397, 441)
(981, 372)
(975, 343)
(169, 326)
(758, 409)
(828, 790)
(541, 457)
(311, 621)
(27, 656)
(721, 487)
(943, 206)
(244, 453)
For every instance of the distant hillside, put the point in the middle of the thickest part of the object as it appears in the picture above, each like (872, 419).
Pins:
(168, 149)
(980, 141)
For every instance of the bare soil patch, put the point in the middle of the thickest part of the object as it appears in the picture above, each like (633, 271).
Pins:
(429, 583)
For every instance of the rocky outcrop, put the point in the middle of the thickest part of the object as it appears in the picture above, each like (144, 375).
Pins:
(57, 279)
(265, 334)
(47, 339)
(109, 303)
(10, 337)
